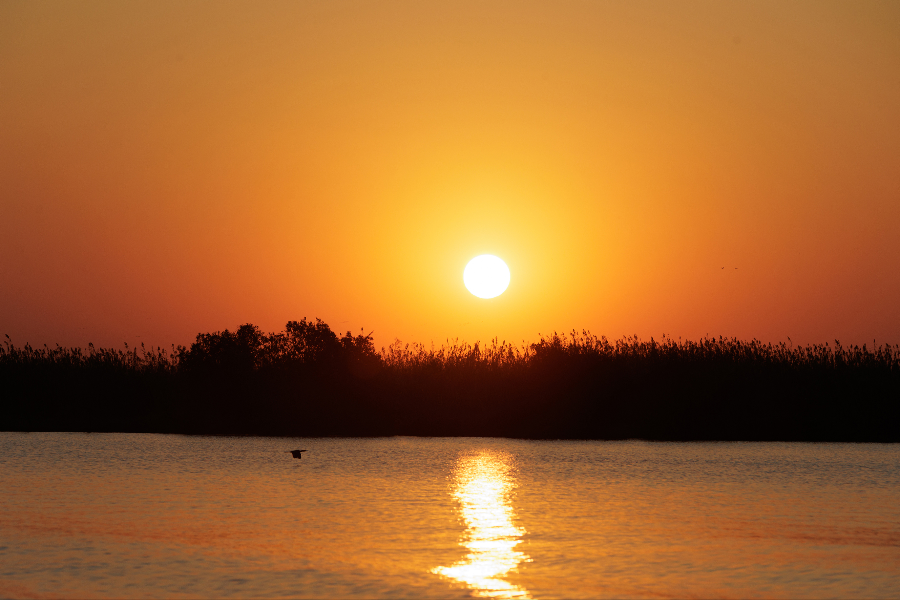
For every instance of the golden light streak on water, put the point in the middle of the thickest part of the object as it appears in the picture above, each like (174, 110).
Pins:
(483, 488)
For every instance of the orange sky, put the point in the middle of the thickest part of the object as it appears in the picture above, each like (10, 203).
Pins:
(174, 168)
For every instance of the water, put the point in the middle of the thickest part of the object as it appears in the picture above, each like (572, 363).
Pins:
(128, 515)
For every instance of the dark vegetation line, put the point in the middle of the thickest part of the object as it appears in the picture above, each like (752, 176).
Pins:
(308, 381)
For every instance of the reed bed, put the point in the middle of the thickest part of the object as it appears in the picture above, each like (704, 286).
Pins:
(308, 380)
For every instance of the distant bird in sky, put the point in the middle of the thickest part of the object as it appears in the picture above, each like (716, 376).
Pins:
(296, 453)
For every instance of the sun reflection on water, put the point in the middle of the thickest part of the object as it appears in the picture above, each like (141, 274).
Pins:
(483, 487)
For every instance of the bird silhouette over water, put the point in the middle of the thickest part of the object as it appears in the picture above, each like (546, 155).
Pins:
(296, 453)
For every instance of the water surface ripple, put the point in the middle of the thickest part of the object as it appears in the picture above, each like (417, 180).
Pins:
(140, 515)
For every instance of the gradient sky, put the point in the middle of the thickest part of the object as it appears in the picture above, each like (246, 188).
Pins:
(169, 168)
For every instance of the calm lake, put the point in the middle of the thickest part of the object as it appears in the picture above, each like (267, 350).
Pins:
(134, 515)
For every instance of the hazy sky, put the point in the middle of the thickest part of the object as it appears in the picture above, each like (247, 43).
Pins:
(174, 168)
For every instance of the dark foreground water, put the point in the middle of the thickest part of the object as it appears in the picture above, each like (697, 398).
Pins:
(131, 515)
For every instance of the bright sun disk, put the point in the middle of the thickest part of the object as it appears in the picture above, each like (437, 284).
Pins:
(486, 276)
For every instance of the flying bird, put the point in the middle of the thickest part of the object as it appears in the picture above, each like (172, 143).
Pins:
(296, 453)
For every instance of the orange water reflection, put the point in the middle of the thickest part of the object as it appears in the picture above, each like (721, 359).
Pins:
(483, 487)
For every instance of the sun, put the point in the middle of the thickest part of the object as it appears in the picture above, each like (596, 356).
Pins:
(486, 276)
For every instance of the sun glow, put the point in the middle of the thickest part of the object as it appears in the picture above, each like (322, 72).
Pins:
(486, 276)
(483, 486)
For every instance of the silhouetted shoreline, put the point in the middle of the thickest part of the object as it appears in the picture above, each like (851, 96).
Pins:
(308, 381)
